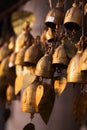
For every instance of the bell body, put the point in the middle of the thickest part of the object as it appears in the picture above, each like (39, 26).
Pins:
(74, 74)
(32, 54)
(54, 17)
(31, 98)
(44, 67)
(73, 18)
(12, 60)
(60, 58)
(84, 61)
(20, 56)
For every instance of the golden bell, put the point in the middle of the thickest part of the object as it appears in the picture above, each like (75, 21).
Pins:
(74, 73)
(31, 98)
(55, 17)
(44, 66)
(9, 93)
(32, 54)
(4, 51)
(50, 35)
(25, 38)
(73, 18)
(20, 56)
(60, 58)
(84, 61)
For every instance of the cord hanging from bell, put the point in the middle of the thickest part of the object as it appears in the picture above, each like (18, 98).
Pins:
(50, 4)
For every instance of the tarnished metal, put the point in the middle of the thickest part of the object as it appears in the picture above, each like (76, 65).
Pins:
(31, 98)
(44, 66)
(55, 17)
(73, 18)
(60, 58)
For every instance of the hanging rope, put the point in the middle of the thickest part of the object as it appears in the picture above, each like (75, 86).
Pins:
(50, 4)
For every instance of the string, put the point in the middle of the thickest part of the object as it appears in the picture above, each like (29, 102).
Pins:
(50, 3)
(82, 17)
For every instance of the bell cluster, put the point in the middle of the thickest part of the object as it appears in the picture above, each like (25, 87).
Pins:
(42, 66)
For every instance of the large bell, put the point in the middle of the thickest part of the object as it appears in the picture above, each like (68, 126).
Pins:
(74, 73)
(60, 58)
(84, 58)
(73, 18)
(31, 98)
(55, 16)
(33, 54)
(44, 67)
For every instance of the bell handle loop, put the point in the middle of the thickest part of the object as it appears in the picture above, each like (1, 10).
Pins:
(50, 4)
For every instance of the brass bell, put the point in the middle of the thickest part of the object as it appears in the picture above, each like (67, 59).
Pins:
(9, 93)
(84, 57)
(74, 73)
(33, 54)
(31, 98)
(44, 66)
(60, 58)
(55, 16)
(25, 38)
(20, 56)
(73, 18)
(50, 35)
(84, 61)
(4, 51)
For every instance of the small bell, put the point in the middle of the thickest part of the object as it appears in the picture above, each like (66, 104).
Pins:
(44, 67)
(55, 16)
(60, 58)
(33, 53)
(73, 18)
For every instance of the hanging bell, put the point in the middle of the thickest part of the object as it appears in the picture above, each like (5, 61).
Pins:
(25, 38)
(55, 16)
(84, 58)
(50, 35)
(44, 67)
(73, 18)
(74, 73)
(31, 98)
(33, 54)
(60, 58)
(4, 51)
(20, 56)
